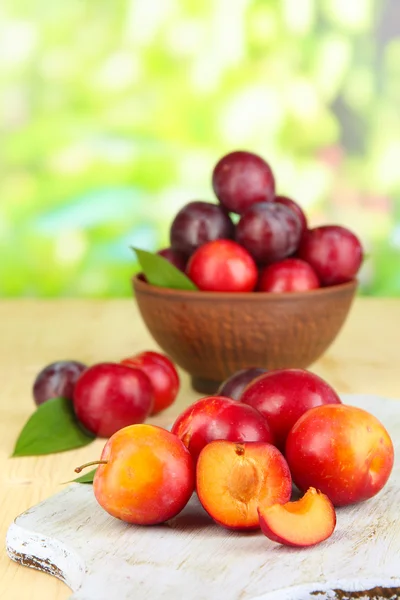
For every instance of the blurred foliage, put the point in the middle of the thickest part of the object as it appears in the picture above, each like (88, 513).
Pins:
(113, 113)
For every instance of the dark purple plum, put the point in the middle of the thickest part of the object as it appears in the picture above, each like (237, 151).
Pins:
(240, 179)
(234, 386)
(296, 208)
(57, 380)
(269, 231)
(175, 258)
(198, 223)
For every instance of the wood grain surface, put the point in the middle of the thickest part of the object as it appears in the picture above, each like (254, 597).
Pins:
(364, 359)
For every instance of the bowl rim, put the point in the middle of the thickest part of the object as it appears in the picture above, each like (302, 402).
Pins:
(144, 286)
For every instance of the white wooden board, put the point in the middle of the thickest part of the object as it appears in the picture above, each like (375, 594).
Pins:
(190, 558)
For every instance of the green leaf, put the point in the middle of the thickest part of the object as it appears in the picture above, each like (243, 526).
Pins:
(85, 478)
(161, 272)
(53, 427)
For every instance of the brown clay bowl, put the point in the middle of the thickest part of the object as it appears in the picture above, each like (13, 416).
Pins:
(213, 334)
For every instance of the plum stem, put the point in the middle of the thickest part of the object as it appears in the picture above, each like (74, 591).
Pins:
(90, 464)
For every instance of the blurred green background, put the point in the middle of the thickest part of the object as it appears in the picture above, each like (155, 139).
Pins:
(114, 112)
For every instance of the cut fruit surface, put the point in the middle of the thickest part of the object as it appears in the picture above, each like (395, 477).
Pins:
(306, 522)
(234, 479)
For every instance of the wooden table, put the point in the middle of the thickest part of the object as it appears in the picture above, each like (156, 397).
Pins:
(365, 358)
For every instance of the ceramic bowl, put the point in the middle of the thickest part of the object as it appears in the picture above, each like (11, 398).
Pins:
(213, 334)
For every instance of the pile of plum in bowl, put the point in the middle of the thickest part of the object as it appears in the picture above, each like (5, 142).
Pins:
(263, 289)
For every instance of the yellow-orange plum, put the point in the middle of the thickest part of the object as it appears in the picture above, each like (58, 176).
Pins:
(233, 479)
(148, 477)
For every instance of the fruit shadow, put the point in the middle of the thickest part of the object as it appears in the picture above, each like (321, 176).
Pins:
(190, 520)
(194, 517)
(296, 493)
